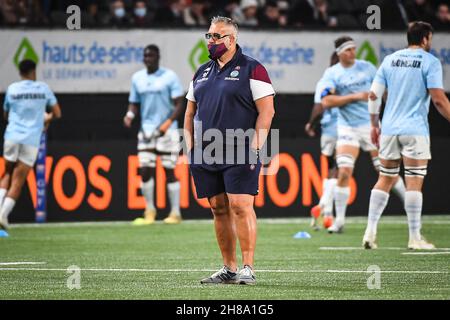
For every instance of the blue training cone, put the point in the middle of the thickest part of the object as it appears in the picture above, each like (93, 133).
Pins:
(3, 234)
(302, 235)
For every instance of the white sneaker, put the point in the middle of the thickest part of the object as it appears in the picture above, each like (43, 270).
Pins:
(369, 241)
(420, 244)
(335, 228)
(4, 223)
(246, 276)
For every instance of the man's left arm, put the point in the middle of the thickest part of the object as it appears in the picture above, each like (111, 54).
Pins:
(177, 112)
(266, 112)
(176, 92)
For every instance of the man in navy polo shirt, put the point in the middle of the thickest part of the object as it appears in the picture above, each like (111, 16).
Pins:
(228, 94)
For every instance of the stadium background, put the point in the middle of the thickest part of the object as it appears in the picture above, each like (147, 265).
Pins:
(91, 165)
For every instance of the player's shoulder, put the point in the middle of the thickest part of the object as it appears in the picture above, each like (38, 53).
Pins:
(432, 59)
(364, 64)
(167, 72)
(139, 74)
(13, 86)
(332, 71)
(42, 85)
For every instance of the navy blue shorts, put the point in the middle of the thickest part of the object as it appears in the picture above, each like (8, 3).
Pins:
(236, 179)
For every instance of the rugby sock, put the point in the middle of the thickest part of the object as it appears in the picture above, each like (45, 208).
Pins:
(378, 201)
(326, 201)
(8, 205)
(341, 195)
(399, 189)
(148, 189)
(2, 196)
(174, 197)
(413, 208)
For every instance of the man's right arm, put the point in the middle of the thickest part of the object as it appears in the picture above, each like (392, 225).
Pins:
(130, 115)
(189, 124)
(316, 115)
(333, 100)
(441, 102)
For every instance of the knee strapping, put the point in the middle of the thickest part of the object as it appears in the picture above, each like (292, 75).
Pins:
(376, 163)
(416, 172)
(146, 173)
(389, 171)
(170, 176)
(345, 160)
(169, 161)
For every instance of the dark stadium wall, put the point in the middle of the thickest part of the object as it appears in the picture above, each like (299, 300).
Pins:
(92, 168)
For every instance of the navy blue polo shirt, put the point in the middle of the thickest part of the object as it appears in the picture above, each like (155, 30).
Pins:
(226, 97)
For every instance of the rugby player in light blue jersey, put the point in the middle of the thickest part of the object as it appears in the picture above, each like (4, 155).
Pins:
(347, 87)
(25, 106)
(411, 76)
(159, 94)
(328, 139)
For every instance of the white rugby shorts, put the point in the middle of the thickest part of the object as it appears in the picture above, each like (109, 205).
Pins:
(414, 147)
(13, 152)
(328, 145)
(355, 136)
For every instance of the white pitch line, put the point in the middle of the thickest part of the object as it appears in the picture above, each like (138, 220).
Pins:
(212, 270)
(390, 271)
(426, 253)
(359, 248)
(20, 263)
(382, 248)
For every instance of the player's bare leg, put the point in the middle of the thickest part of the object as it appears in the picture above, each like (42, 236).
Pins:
(346, 156)
(324, 210)
(19, 175)
(379, 198)
(173, 188)
(5, 182)
(241, 206)
(398, 188)
(415, 172)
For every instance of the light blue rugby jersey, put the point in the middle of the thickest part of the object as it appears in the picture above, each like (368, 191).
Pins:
(408, 74)
(154, 92)
(346, 81)
(329, 117)
(26, 102)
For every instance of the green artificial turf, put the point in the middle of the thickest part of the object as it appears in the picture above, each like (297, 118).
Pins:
(121, 261)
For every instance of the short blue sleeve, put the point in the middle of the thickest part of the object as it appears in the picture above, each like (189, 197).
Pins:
(328, 79)
(6, 103)
(50, 96)
(380, 76)
(134, 94)
(176, 90)
(318, 93)
(434, 75)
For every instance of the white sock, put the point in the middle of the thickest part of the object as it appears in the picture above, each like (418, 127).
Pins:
(326, 201)
(7, 206)
(378, 201)
(2, 196)
(148, 189)
(341, 195)
(174, 197)
(399, 189)
(413, 208)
